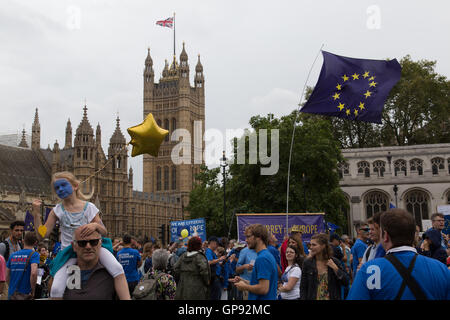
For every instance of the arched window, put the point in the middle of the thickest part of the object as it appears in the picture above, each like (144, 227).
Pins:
(174, 124)
(78, 153)
(166, 178)
(400, 165)
(364, 168)
(118, 162)
(416, 165)
(158, 178)
(343, 169)
(375, 201)
(85, 154)
(166, 126)
(379, 167)
(174, 178)
(437, 164)
(417, 203)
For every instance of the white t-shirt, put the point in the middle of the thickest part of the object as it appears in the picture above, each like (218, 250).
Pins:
(290, 272)
(70, 221)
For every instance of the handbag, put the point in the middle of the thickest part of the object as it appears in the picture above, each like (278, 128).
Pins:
(18, 295)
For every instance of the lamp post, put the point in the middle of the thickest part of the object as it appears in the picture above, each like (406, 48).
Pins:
(223, 164)
(395, 193)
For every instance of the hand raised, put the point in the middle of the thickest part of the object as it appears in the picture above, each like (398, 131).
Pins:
(36, 205)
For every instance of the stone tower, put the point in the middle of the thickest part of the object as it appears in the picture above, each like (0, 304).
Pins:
(36, 133)
(175, 104)
(118, 176)
(84, 155)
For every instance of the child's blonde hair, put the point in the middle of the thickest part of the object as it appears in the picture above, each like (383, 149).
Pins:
(69, 176)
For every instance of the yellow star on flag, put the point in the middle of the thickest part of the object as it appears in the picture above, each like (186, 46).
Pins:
(341, 106)
(361, 105)
(356, 112)
(146, 137)
(339, 87)
(372, 78)
(345, 77)
(336, 96)
(366, 74)
(372, 84)
(347, 112)
(355, 76)
(367, 94)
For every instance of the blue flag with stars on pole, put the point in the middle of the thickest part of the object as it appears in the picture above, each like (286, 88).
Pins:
(353, 89)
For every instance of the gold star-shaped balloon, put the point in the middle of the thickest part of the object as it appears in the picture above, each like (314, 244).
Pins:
(146, 137)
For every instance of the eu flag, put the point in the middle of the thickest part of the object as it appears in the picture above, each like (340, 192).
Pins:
(353, 89)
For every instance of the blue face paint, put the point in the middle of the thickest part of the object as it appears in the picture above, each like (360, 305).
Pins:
(63, 188)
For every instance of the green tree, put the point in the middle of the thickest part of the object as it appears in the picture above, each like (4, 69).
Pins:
(315, 156)
(206, 199)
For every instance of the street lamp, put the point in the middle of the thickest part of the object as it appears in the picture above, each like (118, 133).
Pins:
(395, 193)
(223, 164)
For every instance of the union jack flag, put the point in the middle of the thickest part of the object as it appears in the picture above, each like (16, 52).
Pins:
(165, 23)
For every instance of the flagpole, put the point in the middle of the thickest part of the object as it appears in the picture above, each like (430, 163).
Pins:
(292, 141)
(174, 34)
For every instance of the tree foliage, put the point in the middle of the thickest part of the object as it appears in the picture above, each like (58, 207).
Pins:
(314, 183)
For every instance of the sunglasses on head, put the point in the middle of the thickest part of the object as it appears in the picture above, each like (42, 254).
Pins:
(83, 243)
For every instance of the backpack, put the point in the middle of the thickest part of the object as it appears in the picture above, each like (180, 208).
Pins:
(7, 249)
(146, 288)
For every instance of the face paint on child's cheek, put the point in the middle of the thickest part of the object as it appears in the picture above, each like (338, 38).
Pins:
(63, 188)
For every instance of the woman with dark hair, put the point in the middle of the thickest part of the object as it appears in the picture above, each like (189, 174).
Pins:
(322, 274)
(194, 273)
(290, 280)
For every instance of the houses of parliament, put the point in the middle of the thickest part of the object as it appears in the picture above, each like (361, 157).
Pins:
(26, 170)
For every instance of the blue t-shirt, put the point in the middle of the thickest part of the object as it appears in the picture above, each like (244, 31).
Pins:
(16, 264)
(358, 250)
(210, 255)
(265, 268)
(276, 255)
(245, 257)
(129, 259)
(379, 280)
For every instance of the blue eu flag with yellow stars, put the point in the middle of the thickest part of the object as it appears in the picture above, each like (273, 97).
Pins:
(353, 89)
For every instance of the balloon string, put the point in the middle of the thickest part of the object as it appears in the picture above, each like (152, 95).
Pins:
(107, 162)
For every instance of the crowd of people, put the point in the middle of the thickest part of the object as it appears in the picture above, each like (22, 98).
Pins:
(390, 259)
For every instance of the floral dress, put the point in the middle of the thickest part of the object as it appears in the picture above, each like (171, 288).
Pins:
(166, 286)
(322, 288)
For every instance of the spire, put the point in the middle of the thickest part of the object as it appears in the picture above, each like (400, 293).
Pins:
(199, 80)
(98, 134)
(85, 127)
(165, 72)
(183, 55)
(23, 143)
(36, 132)
(117, 137)
(148, 60)
(68, 143)
(199, 66)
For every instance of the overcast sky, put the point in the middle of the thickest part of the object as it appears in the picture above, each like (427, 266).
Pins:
(256, 55)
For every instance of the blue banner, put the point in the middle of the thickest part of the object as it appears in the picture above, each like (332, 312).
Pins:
(307, 223)
(192, 227)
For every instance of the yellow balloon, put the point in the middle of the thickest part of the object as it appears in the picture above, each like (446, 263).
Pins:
(42, 230)
(184, 233)
(147, 137)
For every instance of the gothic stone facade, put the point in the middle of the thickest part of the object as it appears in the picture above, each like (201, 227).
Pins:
(416, 178)
(25, 173)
